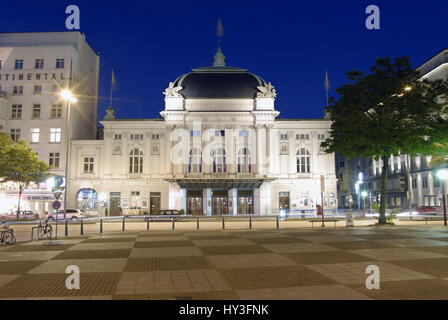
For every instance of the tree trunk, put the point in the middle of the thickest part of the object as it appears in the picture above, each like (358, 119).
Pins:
(18, 204)
(383, 200)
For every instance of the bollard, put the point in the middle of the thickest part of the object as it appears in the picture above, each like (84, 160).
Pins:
(197, 223)
(66, 228)
(250, 222)
(172, 223)
(82, 227)
(223, 224)
(101, 225)
(123, 227)
(147, 224)
(276, 218)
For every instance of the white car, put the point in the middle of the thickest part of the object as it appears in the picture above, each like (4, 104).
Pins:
(72, 214)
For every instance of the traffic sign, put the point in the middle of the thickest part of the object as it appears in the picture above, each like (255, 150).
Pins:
(56, 205)
(58, 181)
(57, 192)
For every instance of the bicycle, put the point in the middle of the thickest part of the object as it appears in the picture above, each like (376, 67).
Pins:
(7, 235)
(44, 230)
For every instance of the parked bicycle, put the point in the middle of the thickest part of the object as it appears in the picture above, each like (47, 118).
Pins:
(44, 230)
(7, 235)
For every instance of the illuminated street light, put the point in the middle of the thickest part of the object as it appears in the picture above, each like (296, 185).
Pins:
(364, 195)
(442, 174)
(408, 88)
(68, 96)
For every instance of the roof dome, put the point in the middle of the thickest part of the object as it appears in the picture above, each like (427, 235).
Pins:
(219, 81)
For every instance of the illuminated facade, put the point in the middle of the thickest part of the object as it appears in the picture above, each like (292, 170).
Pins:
(218, 149)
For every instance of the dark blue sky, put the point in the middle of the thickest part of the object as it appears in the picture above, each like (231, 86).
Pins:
(289, 43)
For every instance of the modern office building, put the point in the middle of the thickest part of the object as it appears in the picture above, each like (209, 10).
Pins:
(34, 67)
(218, 148)
(411, 181)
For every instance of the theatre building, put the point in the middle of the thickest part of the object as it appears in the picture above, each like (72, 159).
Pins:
(218, 148)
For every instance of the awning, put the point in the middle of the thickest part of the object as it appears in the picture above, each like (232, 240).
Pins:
(218, 183)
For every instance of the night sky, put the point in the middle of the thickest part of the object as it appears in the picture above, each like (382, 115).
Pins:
(288, 43)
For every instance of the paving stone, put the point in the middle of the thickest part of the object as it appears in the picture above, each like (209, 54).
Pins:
(273, 277)
(165, 252)
(426, 266)
(397, 254)
(18, 267)
(167, 263)
(233, 250)
(249, 260)
(352, 273)
(84, 265)
(94, 254)
(328, 292)
(324, 257)
(162, 244)
(430, 289)
(298, 247)
(53, 285)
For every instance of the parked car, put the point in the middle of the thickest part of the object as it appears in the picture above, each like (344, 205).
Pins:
(72, 214)
(165, 213)
(23, 215)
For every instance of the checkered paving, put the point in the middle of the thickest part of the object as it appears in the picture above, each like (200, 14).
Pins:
(233, 264)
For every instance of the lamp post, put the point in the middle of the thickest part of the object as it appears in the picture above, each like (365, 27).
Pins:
(442, 174)
(67, 96)
(364, 195)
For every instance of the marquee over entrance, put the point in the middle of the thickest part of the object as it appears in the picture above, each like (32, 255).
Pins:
(216, 183)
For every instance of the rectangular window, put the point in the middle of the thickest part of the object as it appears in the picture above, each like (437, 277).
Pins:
(56, 88)
(15, 134)
(425, 182)
(35, 135)
(37, 89)
(16, 112)
(195, 133)
(54, 159)
(17, 90)
(117, 136)
(302, 136)
(55, 135)
(244, 133)
(414, 183)
(220, 133)
(156, 136)
(36, 111)
(60, 63)
(18, 64)
(135, 193)
(436, 182)
(39, 64)
(0, 64)
(138, 136)
(283, 136)
(56, 111)
(88, 165)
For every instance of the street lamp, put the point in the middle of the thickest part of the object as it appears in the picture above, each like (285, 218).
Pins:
(67, 96)
(442, 174)
(364, 195)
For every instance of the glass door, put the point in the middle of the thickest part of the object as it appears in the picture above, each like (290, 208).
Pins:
(154, 203)
(283, 200)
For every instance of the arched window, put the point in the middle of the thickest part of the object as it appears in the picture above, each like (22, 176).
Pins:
(195, 165)
(303, 161)
(136, 161)
(87, 199)
(219, 161)
(244, 163)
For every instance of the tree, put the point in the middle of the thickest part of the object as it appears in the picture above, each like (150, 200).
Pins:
(20, 164)
(388, 112)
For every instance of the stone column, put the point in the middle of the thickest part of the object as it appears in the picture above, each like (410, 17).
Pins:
(183, 200)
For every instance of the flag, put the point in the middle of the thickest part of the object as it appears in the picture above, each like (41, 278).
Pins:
(327, 82)
(113, 83)
(219, 29)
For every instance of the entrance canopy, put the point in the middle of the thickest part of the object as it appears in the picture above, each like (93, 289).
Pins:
(192, 183)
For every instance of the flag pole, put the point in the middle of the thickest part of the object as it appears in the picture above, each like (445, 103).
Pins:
(111, 88)
(327, 84)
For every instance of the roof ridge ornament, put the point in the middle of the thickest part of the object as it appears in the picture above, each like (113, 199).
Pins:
(266, 91)
(220, 59)
(172, 91)
(219, 56)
